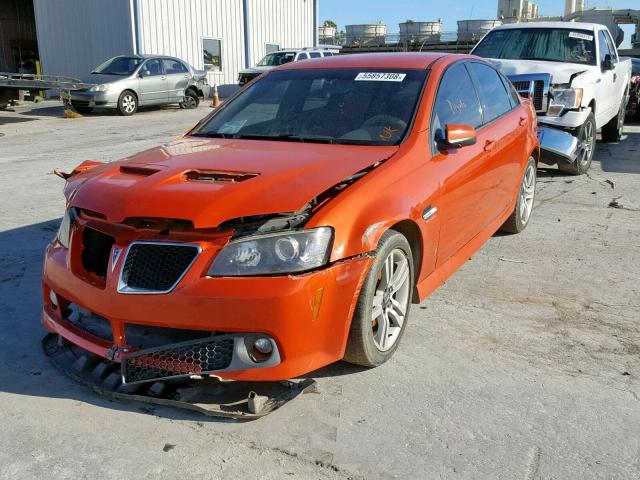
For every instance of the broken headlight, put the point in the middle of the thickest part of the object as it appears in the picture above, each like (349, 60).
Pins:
(276, 253)
(564, 98)
(64, 231)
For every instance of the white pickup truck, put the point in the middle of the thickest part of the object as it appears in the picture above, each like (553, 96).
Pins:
(572, 73)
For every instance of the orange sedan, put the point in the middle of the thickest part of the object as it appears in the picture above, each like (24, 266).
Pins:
(296, 225)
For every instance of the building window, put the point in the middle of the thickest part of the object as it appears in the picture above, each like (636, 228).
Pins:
(212, 54)
(270, 48)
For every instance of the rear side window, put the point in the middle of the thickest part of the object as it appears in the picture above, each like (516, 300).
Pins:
(456, 101)
(303, 56)
(315, 54)
(494, 98)
(513, 95)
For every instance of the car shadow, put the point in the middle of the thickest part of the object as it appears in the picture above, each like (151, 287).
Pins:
(622, 156)
(10, 120)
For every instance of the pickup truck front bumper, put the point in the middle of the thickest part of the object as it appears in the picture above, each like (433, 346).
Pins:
(556, 145)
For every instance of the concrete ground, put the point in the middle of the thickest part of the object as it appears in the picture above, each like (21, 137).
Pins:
(525, 365)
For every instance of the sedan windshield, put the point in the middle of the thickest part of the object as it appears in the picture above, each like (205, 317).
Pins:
(364, 107)
(276, 58)
(548, 44)
(119, 66)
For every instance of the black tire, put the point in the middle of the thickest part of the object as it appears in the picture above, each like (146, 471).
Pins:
(586, 134)
(127, 103)
(82, 109)
(190, 101)
(517, 222)
(612, 131)
(361, 345)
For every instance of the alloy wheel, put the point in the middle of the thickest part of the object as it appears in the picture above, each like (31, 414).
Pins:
(527, 193)
(129, 103)
(391, 300)
(586, 143)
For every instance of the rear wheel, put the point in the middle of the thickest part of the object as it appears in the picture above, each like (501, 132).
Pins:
(586, 134)
(190, 101)
(382, 310)
(519, 219)
(612, 131)
(127, 103)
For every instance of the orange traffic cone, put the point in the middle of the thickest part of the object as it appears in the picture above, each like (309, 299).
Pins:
(215, 103)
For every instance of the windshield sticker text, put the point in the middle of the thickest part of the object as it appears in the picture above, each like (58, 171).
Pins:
(581, 36)
(387, 133)
(380, 77)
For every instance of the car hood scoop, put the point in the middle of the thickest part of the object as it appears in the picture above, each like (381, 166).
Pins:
(208, 181)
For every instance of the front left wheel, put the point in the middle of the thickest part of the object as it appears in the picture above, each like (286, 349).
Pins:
(127, 103)
(383, 307)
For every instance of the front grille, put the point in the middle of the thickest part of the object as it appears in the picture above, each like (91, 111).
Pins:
(155, 267)
(177, 360)
(538, 94)
(96, 251)
(521, 86)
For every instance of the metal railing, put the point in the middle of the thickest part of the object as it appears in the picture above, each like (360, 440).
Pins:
(404, 42)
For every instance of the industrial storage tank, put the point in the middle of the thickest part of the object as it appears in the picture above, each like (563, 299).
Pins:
(419, 32)
(474, 30)
(366, 34)
(327, 34)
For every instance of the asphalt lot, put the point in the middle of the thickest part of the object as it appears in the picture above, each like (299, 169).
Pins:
(525, 365)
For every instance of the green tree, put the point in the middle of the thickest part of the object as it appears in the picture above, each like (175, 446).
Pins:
(330, 23)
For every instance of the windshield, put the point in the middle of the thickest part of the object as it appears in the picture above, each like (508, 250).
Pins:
(119, 66)
(276, 58)
(550, 44)
(349, 106)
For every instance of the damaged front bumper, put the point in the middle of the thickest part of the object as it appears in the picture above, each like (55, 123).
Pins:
(305, 318)
(556, 145)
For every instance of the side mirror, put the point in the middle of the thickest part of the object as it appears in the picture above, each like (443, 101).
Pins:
(144, 73)
(607, 63)
(456, 136)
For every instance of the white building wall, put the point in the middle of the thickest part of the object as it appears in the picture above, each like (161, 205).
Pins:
(177, 27)
(289, 23)
(75, 36)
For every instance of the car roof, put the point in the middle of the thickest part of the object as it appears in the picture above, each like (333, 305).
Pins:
(412, 60)
(563, 25)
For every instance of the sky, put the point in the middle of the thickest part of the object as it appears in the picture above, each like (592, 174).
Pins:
(392, 12)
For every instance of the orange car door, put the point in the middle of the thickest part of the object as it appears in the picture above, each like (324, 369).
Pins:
(504, 121)
(461, 170)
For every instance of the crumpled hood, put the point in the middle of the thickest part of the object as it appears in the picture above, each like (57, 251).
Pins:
(174, 180)
(560, 72)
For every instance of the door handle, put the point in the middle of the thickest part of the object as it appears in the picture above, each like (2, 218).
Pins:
(489, 145)
(522, 121)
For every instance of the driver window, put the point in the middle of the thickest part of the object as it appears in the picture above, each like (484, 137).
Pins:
(603, 46)
(456, 101)
(612, 49)
(153, 67)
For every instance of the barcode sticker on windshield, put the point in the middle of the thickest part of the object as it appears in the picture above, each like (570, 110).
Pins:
(581, 36)
(380, 77)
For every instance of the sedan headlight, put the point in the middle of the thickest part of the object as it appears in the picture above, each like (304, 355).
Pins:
(64, 231)
(276, 253)
(101, 88)
(564, 98)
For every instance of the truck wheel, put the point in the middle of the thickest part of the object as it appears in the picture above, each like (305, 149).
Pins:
(382, 310)
(586, 134)
(519, 219)
(127, 103)
(612, 131)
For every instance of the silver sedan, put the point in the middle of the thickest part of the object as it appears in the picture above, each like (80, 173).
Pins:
(127, 82)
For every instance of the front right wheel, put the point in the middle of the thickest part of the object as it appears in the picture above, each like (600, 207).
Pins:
(382, 310)
(586, 135)
(521, 214)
